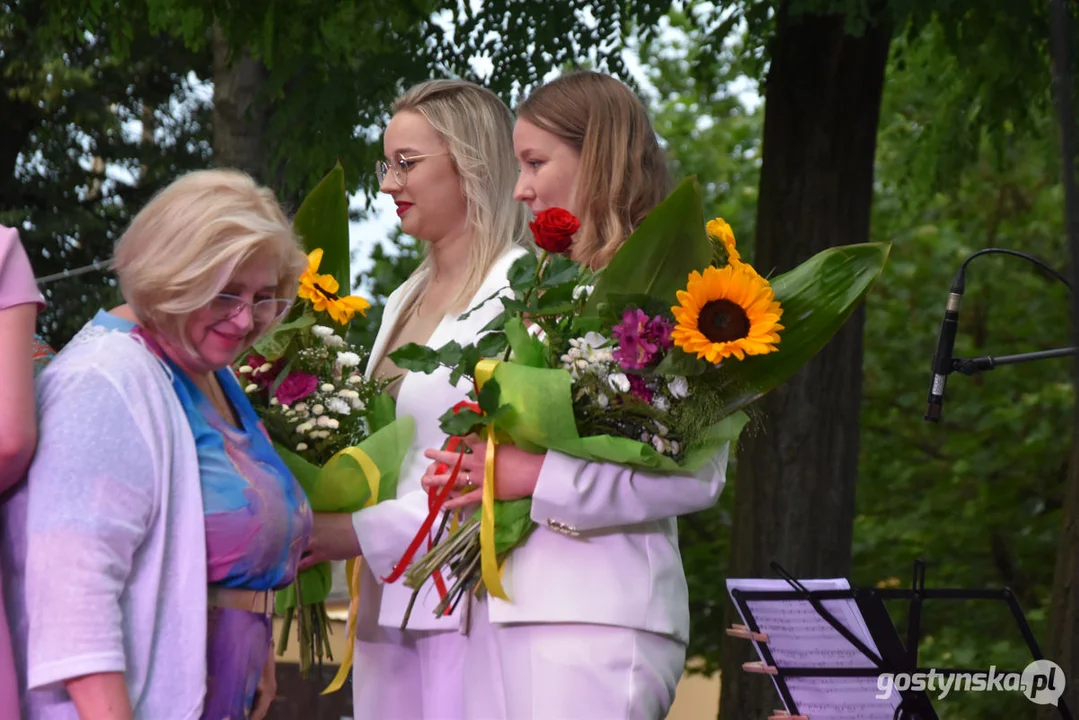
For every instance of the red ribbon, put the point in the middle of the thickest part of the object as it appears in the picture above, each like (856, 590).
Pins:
(435, 500)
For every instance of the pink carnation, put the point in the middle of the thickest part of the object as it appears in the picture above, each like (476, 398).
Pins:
(296, 387)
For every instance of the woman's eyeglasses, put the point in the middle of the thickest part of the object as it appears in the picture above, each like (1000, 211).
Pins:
(399, 166)
(263, 312)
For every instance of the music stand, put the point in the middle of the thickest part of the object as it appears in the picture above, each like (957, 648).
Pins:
(893, 656)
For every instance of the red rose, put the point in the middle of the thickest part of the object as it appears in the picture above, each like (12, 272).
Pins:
(553, 229)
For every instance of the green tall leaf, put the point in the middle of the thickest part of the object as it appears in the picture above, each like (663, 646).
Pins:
(658, 257)
(817, 297)
(322, 222)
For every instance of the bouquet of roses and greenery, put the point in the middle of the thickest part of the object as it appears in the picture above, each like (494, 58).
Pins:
(334, 428)
(645, 363)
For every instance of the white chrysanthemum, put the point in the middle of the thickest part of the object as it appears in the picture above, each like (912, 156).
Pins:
(355, 380)
(349, 394)
(326, 387)
(321, 331)
(300, 447)
(659, 444)
(274, 401)
(300, 407)
(358, 404)
(661, 403)
(245, 370)
(602, 401)
(251, 388)
(325, 421)
(618, 381)
(348, 359)
(304, 427)
(675, 447)
(338, 406)
(678, 387)
(265, 368)
(320, 434)
(334, 341)
(317, 410)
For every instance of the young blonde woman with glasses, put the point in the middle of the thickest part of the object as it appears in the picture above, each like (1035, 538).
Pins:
(450, 169)
(159, 517)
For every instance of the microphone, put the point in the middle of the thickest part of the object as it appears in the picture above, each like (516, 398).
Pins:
(942, 360)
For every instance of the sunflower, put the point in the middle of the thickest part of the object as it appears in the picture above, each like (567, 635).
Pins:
(727, 311)
(719, 231)
(321, 291)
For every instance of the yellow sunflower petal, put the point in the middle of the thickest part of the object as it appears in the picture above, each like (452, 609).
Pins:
(738, 284)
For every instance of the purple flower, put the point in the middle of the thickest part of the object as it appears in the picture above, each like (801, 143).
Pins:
(295, 387)
(635, 348)
(639, 387)
(659, 331)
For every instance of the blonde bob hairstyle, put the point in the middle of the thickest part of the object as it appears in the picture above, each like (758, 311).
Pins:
(623, 173)
(185, 245)
(477, 128)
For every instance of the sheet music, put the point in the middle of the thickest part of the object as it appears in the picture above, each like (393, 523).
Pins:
(799, 637)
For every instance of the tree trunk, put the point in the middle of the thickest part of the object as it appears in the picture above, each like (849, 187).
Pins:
(239, 111)
(798, 464)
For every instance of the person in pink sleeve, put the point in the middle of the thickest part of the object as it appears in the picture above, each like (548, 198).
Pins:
(19, 305)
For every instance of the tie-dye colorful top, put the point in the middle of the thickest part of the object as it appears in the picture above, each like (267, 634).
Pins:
(257, 517)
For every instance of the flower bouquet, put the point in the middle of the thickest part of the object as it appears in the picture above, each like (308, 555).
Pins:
(335, 429)
(646, 363)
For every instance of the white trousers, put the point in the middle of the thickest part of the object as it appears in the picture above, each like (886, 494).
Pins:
(408, 675)
(568, 671)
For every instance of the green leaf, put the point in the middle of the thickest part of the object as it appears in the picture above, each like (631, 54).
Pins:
(461, 423)
(276, 343)
(679, 362)
(450, 353)
(498, 323)
(559, 271)
(527, 348)
(817, 298)
(416, 358)
(492, 344)
(522, 271)
(488, 396)
(657, 258)
(466, 366)
(322, 222)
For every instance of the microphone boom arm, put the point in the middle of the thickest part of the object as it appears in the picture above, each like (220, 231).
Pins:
(970, 366)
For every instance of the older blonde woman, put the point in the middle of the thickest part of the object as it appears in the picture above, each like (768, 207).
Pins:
(450, 170)
(155, 493)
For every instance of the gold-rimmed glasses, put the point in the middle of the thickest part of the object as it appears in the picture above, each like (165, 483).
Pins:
(399, 166)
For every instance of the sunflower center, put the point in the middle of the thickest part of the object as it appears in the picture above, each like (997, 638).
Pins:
(723, 321)
(329, 295)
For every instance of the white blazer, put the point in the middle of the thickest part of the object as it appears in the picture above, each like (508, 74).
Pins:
(606, 549)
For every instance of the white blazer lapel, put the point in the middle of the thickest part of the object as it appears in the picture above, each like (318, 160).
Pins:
(388, 326)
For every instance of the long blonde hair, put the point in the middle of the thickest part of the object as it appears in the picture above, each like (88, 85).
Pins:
(623, 173)
(477, 128)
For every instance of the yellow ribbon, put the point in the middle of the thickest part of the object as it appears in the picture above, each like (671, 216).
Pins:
(352, 569)
(489, 570)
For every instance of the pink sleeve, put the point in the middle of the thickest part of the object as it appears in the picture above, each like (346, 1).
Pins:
(17, 285)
